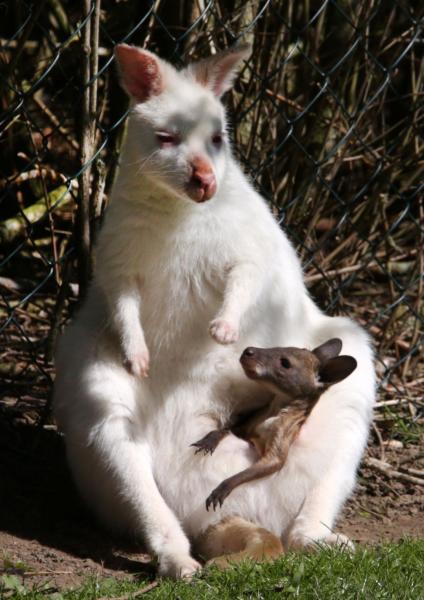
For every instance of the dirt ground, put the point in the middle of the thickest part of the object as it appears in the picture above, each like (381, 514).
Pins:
(47, 535)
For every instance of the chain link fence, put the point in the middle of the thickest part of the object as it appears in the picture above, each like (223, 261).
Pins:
(327, 119)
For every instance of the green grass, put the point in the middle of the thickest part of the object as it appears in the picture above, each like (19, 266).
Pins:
(390, 571)
(403, 429)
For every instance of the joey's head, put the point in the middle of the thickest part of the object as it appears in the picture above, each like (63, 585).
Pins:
(177, 132)
(297, 372)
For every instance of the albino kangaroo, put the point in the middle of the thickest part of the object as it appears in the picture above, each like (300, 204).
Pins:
(191, 268)
(298, 377)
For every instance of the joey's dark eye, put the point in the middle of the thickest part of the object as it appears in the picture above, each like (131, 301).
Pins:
(166, 138)
(217, 139)
(285, 362)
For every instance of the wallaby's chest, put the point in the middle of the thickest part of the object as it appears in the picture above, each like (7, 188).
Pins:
(189, 252)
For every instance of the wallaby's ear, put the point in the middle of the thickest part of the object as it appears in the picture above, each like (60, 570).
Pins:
(140, 72)
(217, 72)
(336, 369)
(328, 349)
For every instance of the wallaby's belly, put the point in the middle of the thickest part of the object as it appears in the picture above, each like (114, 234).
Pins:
(191, 376)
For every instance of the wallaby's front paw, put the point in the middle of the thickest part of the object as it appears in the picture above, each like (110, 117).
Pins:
(178, 567)
(137, 363)
(338, 539)
(223, 331)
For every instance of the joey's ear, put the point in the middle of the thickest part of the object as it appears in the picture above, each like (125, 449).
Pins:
(328, 349)
(218, 71)
(336, 369)
(140, 72)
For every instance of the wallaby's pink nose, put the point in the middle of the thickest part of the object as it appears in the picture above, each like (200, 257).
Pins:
(203, 180)
(202, 184)
(205, 184)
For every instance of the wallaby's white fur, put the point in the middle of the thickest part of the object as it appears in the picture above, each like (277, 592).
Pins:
(186, 286)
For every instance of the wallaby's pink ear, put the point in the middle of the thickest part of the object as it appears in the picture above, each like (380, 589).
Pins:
(336, 369)
(328, 349)
(140, 72)
(218, 71)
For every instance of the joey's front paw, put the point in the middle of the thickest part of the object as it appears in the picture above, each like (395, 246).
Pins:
(209, 442)
(137, 363)
(217, 497)
(223, 331)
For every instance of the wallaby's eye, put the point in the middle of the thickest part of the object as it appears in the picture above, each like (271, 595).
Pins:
(217, 139)
(166, 138)
(285, 362)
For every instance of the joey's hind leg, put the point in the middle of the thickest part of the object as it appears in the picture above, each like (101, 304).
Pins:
(234, 540)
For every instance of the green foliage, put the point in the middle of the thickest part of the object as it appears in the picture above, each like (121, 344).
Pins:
(387, 572)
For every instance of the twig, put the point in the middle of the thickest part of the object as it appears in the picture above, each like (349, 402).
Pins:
(384, 403)
(57, 314)
(90, 58)
(386, 469)
(97, 204)
(420, 267)
(10, 284)
(51, 222)
(392, 267)
(332, 273)
(398, 342)
(282, 98)
(380, 441)
(83, 214)
(372, 511)
(32, 174)
(16, 226)
(417, 472)
(55, 122)
(61, 16)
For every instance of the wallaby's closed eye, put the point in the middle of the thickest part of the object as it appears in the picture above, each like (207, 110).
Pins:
(298, 377)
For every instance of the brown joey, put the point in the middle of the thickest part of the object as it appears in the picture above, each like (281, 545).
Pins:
(298, 377)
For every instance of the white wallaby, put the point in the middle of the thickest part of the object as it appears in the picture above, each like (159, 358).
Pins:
(191, 268)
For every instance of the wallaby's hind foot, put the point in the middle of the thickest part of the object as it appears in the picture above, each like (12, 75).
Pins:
(234, 540)
(309, 544)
